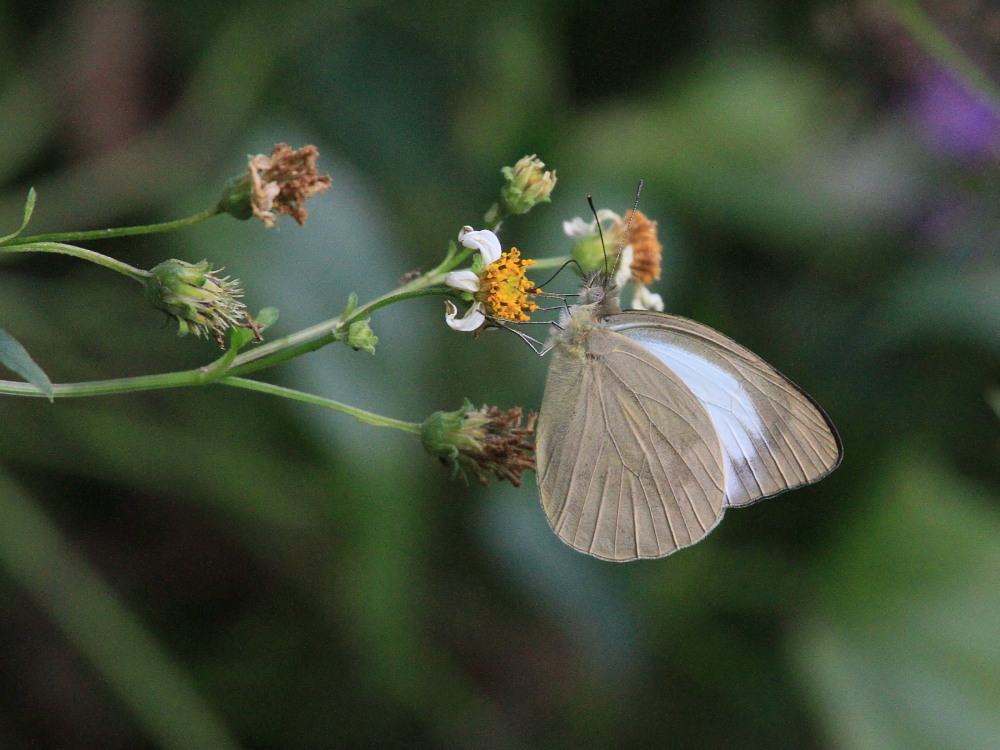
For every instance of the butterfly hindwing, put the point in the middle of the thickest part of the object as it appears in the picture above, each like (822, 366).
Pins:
(774, 436)
(630, 465)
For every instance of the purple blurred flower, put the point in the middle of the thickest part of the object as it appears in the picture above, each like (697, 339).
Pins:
(956, 123)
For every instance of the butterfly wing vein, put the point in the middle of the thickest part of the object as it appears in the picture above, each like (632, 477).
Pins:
(630, 464)
(780, 438)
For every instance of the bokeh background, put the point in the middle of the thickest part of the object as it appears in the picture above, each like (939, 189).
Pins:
(205, 568)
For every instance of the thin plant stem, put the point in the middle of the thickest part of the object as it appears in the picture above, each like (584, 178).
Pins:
(230, 365)
(543, 263)
(203, 376)
(361, 415)
(100, 259)
(319, 335)
(161, 380)
(103, 234)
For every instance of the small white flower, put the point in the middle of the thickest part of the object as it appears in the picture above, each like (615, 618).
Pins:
(643, 299)
(577, 227)
(488, 245)
(473, 318)
(483, 240)
(623, 274)
(590, 254)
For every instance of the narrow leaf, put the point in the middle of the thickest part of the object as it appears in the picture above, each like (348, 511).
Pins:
(267, 317)
(29, 209)
(352, 302)
(15, 357)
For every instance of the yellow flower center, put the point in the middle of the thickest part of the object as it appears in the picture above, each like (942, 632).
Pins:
(504, 290)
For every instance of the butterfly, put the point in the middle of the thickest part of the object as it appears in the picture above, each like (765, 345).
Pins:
(652, 425)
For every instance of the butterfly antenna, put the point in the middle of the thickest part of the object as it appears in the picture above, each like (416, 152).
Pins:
(600, 232)
(571, 261)
(628, 226)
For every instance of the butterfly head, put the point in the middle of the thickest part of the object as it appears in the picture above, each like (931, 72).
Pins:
(599, 293)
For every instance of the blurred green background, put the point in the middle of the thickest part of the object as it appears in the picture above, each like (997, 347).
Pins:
(204, 568)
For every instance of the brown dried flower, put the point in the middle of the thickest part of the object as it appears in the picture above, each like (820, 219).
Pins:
(482, 441)
(283, 181)
(646, 247)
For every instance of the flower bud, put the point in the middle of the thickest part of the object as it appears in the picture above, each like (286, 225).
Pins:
(527, 184)
(589, 252)
(237, 200)
(361, 337)
(201, 302)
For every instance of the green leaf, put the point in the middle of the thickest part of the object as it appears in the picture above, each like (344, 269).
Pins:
(29, 208)
(352, 302)
(266, 318)
(15, 357)
(900, 650)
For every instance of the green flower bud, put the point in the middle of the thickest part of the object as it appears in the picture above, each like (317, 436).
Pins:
(443, 432)
(236, 198)
(527, 184)
(201, 302)
(589, 252)
(361, 337)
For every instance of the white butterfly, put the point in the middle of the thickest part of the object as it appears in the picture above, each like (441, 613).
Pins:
(652, 425)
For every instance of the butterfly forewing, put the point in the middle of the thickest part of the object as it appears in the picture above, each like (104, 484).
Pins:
(630, 465)
(774, 437)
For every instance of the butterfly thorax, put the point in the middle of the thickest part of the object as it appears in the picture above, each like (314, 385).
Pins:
(598, 300)
(575, 326)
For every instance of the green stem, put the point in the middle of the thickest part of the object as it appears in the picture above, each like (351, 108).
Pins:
(103, 234)
(317, 336)
(361, 415)
(936, 43)
(200, 376)
(132, 272)
(271, 353)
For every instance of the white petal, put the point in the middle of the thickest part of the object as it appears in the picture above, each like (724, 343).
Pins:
(623, 272)
(483, 240)
(466, 280)
(646, 300)
(577, 227)
(472, 320)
